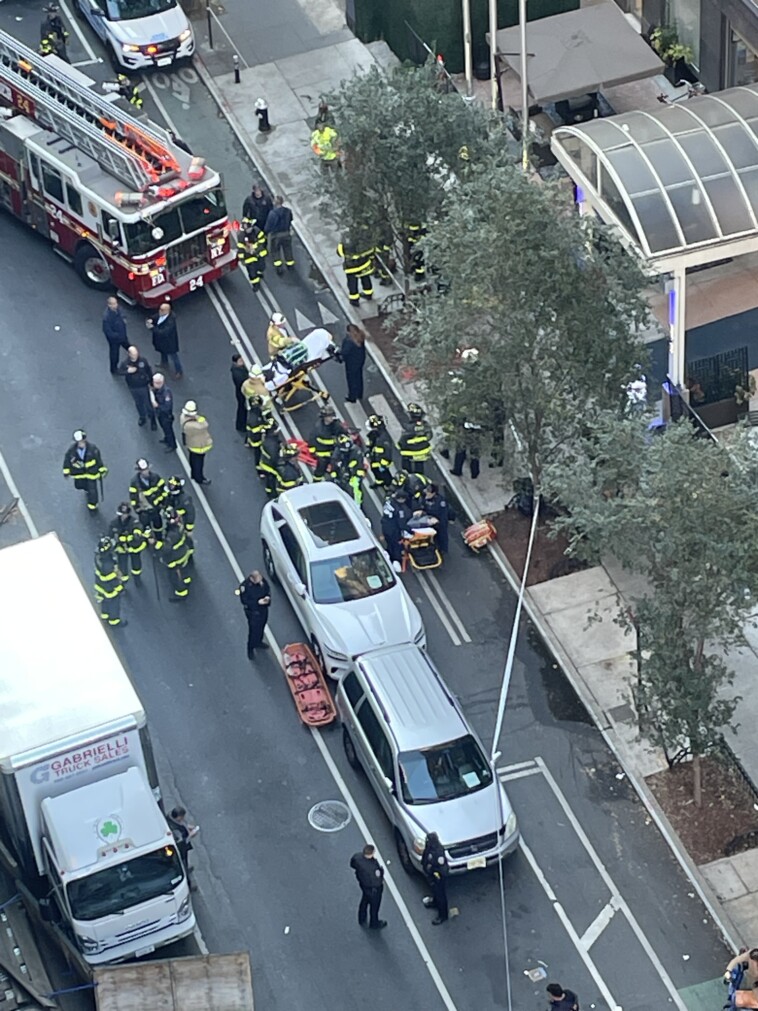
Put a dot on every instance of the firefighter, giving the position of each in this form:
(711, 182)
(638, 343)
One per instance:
(347, 467)
(84, 463)
(271, 447)
(380, 450)
(412, 484)
(47, 46)
(251, 250)
(52, 28)
(108, 585)
(129, 540)
(358, 263)
(256, 423)
(414, 233)
(278, 336)
(288, 474)
(181, 501)
(324, 442)
(174, 548)
(147, 493)
(384, 262)
(255, 385)
(415, 443)
(129, 90)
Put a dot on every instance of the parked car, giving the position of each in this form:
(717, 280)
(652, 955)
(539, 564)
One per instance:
(319, 546)
(140, 33)
(402, 726)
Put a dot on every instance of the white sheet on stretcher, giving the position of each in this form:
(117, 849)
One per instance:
(318, 344)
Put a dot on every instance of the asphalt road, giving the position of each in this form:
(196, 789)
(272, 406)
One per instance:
(593, 895)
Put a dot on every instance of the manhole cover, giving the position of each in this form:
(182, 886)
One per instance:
(329, 815)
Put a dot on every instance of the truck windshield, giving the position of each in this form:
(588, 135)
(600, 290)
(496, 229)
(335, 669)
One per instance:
(195, 213)
(128, 10)
(116, 888)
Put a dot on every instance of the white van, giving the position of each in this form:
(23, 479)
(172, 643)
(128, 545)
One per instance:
(402, 726)
(140, 33)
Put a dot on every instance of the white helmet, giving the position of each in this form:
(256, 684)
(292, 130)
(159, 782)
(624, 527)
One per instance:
(142, 464)
(190, 407)
(255, 371)
(277, 319)
(79, 435)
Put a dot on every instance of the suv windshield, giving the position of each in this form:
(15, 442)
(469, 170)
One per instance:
(195, 213)
(128, 10)
(350, 577)
(443, 773)
(116, 888)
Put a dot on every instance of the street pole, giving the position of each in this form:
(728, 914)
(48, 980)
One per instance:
(468, 63)
(524, 89)
(493, 52)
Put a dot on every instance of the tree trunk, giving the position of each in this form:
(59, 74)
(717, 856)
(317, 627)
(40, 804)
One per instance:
(697, 781)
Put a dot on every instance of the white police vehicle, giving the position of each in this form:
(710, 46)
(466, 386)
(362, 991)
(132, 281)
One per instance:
(140, 33)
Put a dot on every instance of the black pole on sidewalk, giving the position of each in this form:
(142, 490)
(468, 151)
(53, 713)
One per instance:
(210, 22)
(236, 64)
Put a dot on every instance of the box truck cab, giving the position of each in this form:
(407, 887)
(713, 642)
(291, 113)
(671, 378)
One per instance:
(78, 788)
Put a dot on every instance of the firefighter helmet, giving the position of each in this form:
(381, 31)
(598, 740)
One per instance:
(104, 545)
(175, 485)
(277, 319)
(289, 450)
(256, 400)
(79, 435)
(415, 411)
(344, 442)
(375, 422)
(142, 464)
(400, 479)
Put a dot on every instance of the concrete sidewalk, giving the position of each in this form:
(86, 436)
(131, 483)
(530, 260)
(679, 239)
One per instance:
(597, 656)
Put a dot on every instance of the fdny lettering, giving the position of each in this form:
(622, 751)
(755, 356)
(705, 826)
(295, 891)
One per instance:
(77, 761)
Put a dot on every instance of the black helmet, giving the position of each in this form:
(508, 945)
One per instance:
(256, 400)
(328, 411)
(104, 544)
(375, 422)
(415, 411)
(124, 508)
(175, 485)
(344, 442)
(270, 424)
(289, 450)
(400, 478)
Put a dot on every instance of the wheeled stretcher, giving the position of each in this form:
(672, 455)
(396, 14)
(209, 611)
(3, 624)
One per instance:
(289, 373)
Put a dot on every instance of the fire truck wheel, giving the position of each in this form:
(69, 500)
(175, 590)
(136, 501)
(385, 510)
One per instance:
(92, 268)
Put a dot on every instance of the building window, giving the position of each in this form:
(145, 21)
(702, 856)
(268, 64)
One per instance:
(741, 63)
(74, 200)
(52, 183)
(685, 16)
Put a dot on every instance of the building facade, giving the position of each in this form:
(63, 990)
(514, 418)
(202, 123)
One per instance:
(722, 34)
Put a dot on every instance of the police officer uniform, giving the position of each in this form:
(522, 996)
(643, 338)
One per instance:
(370, 876)
(395, 515)
(108, 585)
(84, 463)
(435, 867)
(328, 429)
(255, 598)
(433, 504)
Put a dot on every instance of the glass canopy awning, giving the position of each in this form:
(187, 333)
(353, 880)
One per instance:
(681, 181)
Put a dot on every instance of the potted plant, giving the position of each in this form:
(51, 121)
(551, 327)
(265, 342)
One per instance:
(665, 41)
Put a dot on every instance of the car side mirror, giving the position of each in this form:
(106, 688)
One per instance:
(298, 586)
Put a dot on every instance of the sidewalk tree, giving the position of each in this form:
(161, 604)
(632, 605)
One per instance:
(550, 301)
(680, 511)
(402, 137)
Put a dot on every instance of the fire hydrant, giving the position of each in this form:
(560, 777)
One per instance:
(261, 111)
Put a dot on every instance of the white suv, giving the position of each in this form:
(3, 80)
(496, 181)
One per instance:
(318, 545)
(141, 33)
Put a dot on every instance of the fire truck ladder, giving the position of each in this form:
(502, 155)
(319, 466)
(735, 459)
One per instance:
(133, 152)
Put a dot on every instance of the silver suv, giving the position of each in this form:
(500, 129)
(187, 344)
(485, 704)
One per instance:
(405, 730)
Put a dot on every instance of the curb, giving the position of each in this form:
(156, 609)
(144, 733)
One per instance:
(334, 281)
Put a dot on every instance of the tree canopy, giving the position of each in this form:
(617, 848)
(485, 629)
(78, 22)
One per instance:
(550, 301)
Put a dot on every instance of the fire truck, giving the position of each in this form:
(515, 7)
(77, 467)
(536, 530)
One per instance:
(114, 194)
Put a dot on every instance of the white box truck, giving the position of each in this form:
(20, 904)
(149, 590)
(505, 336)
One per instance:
(78, 788)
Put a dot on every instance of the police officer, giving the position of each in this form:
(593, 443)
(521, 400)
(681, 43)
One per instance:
(370, 876)
(379, 449)
(257, 416)
(415, 443)
(347, 467)
(255, 596)
(435, 867)
(84, 463)
(324, 441)
(288, 474)
(162, 400)
(434, 504)
(130, 541)
(251, 250)
(108, 585)
(147, 493)
(183, 502)
(271, 447)
(358, 264)
(174, 549)
(395, 516)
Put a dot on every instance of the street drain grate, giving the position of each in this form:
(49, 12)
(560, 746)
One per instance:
(329, 815)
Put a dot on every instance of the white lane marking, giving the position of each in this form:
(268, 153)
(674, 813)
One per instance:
(568, 927)
(439, 612)
(506, 777)
(423, 951)
(15, 493)
(159, 105)
(302, 322)
(600, 922)
(528, 764)
(85, 63)
(446, 602)
(74, 22)
(609, 883)
(200, 941)
(327, 317)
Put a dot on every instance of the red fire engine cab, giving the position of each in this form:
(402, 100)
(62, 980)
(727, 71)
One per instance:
(113, 193)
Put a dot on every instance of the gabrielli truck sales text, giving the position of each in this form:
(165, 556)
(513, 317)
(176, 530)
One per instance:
(78, 761)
